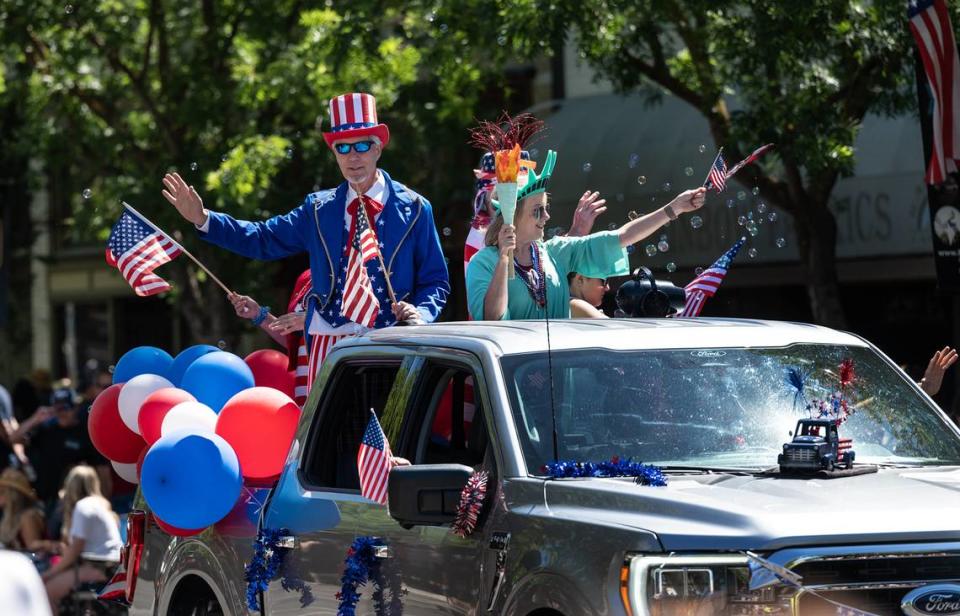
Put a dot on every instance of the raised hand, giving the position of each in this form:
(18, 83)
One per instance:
(185, 198)
(690, 200)
(938, 365)
(588, 209)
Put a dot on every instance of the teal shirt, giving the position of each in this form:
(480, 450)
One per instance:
(598, 255)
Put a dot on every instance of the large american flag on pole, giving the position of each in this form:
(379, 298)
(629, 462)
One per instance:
(373, 462)
(931, 27)
(136, 248)
(360, 304)
(706, 284)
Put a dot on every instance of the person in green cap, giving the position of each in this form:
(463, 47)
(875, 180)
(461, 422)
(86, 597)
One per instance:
(540, 288)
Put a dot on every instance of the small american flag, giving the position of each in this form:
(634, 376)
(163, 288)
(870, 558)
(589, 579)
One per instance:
(136, 248)
(706, 284)
(931, 27)
(373, 462)
(116, 588)
(717, 178)
(360, 304)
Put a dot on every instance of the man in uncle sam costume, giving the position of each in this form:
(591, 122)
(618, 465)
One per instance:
(352, 283)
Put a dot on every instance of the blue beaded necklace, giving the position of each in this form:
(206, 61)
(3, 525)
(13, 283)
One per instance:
(533, 276)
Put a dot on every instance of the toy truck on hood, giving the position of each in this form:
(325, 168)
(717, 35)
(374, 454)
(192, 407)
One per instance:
(816, 446)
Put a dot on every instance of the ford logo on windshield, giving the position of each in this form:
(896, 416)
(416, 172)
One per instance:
(943, 599)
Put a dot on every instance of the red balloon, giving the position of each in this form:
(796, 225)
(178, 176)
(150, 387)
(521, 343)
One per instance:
(173, 530)
(259, 423)
(269, 369)
(154, 409)
(109, 434)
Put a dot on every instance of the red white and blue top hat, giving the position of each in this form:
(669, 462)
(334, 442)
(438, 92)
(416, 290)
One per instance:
(355, 115)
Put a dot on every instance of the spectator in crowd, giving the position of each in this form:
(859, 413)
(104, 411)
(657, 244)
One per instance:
(936, 367)
(100, 380)
(586, 295)
(8, 425)
(21, 590)
(21, 524)
(91, 532)
(57, 440)
(31, 393)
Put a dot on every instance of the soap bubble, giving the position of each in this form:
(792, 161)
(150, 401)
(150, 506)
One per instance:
(730, 204)
(663, 236)
(630, 249)
(741, 195)
(752, 253)
(447, 231)
(221, 344)
(642, 180)
(671, 267)
(702, 148)
(633, 161)
(289, 153)
(698, 271)
(741, 220)
(781, 242)
(752, 229)
(612, 226)
(587, 167)
(194, 166)
(688, 171)
(223, 158)
(772, 217)
(696, 222)
(761, 207)
(650, 249)
(632, 215)
(663, 245)
(534, 152)
(667, 186)
(501, 40)
(87, 193)
(749, 215)
(431, 16)
(756, 191)
(68, 9)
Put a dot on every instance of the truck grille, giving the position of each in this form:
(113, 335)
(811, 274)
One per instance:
(801, 455)
(873, 583)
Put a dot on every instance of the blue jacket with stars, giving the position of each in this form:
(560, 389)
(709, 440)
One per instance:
(408, 241)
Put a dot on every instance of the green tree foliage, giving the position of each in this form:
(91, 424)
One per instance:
(233, 95)
(800, 74)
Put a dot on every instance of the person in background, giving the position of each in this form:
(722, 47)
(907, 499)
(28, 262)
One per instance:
(586, 295)
(91, 545)
(31, 393)
(936, 367)
(286, 330)
(56, 439)
(21, 524)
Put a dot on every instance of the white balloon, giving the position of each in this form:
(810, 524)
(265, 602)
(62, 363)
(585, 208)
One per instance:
(127, 472)
(134, 392)
(191, 416)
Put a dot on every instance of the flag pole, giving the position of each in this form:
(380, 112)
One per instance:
(712, 165)
(178, 245)
(383, 266)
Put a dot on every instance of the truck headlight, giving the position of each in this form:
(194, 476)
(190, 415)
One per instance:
(697, 585)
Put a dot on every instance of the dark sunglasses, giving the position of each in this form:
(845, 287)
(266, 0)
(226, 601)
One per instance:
(361, 147)
(541, 211)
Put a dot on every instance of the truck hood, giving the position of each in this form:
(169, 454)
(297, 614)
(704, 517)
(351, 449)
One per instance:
(727, 512)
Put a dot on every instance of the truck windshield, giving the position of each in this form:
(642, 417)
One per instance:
(717, 408)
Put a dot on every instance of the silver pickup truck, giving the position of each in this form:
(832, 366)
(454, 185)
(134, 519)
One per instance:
(707, 400)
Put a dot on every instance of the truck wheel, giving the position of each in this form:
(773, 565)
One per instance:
(194, 598)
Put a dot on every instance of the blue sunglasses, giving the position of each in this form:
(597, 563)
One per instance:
(361, 147)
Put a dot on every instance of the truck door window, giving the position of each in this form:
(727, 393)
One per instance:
(338, 426)
(453, 430)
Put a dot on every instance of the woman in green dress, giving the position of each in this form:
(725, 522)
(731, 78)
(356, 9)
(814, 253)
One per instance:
(540, 288)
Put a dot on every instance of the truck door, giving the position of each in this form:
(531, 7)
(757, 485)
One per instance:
(446, 423)
(318, 496)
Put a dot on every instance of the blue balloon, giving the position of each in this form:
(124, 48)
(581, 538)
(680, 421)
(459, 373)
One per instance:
(186, 357)
(214, 378)
(142, 360)
(191, 480)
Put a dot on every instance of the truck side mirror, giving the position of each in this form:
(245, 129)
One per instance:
(426, 494)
